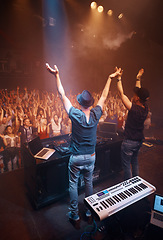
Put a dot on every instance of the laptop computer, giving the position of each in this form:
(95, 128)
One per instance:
(38, 150)
(157, 211)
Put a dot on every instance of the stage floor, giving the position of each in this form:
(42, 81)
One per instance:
(18, 220)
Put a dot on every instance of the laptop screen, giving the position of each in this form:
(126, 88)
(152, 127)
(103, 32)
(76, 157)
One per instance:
(35, 145)
(158, 203)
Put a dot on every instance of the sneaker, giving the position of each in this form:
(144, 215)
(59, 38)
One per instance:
(73, 217)
(88, 213)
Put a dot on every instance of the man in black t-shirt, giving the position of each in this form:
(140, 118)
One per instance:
(133, 133)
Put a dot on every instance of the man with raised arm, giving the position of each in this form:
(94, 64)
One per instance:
(83, 141)
(133, 133)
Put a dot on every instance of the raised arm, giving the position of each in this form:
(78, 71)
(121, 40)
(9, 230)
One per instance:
(105, 91)
(1, 114)
(66, 102)
(138, 78)
(124, 98)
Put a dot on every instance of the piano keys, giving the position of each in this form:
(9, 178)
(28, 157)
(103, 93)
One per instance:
(113, 199)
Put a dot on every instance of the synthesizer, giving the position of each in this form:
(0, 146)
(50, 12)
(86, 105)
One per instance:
(113, 199)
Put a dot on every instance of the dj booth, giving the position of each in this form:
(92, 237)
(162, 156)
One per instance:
(47, 180)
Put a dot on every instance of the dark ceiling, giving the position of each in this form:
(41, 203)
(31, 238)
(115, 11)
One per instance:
(145, 16)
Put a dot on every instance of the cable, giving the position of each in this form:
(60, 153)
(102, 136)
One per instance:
(89, 233)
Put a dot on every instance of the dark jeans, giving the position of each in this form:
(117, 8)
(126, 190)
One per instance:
(129, 157)
(9, 154)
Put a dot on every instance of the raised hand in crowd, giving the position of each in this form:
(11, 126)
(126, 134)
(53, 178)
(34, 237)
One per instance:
(138, 77)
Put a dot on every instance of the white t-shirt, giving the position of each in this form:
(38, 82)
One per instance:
(56, 128)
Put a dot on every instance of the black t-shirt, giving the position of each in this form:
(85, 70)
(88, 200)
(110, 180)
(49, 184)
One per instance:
(135, 122)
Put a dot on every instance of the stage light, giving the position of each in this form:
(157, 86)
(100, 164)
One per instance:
(120, 16)
(110, 12)
(93, 5)
(100, 9)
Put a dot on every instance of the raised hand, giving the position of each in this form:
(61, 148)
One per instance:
(140, 73)
(118, 72)
(54, 71)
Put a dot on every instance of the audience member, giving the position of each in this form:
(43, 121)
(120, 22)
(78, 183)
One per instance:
(1, 153)
(43, 129)
(27, 131)
(56, 124)
(4, 122)
(11, 152)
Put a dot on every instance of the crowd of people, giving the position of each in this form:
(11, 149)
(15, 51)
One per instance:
(24, 113)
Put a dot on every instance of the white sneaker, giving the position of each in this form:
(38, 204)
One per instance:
(88, 213)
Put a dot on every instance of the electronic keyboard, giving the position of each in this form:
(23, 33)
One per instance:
(113, 199)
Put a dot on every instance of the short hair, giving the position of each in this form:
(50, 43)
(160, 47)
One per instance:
(25, 119)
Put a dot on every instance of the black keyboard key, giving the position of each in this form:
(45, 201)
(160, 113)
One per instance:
(158, 217)
(108, 201)
(42, 153)
(125, 196)
(132, 190)
(143, 186)
(138, 188)
(116, 198)
(103, 204)
(119, 195)
(112, 200)
(128, 193)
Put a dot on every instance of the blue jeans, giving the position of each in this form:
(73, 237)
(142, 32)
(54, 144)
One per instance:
(78, 163)
(129, 157)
